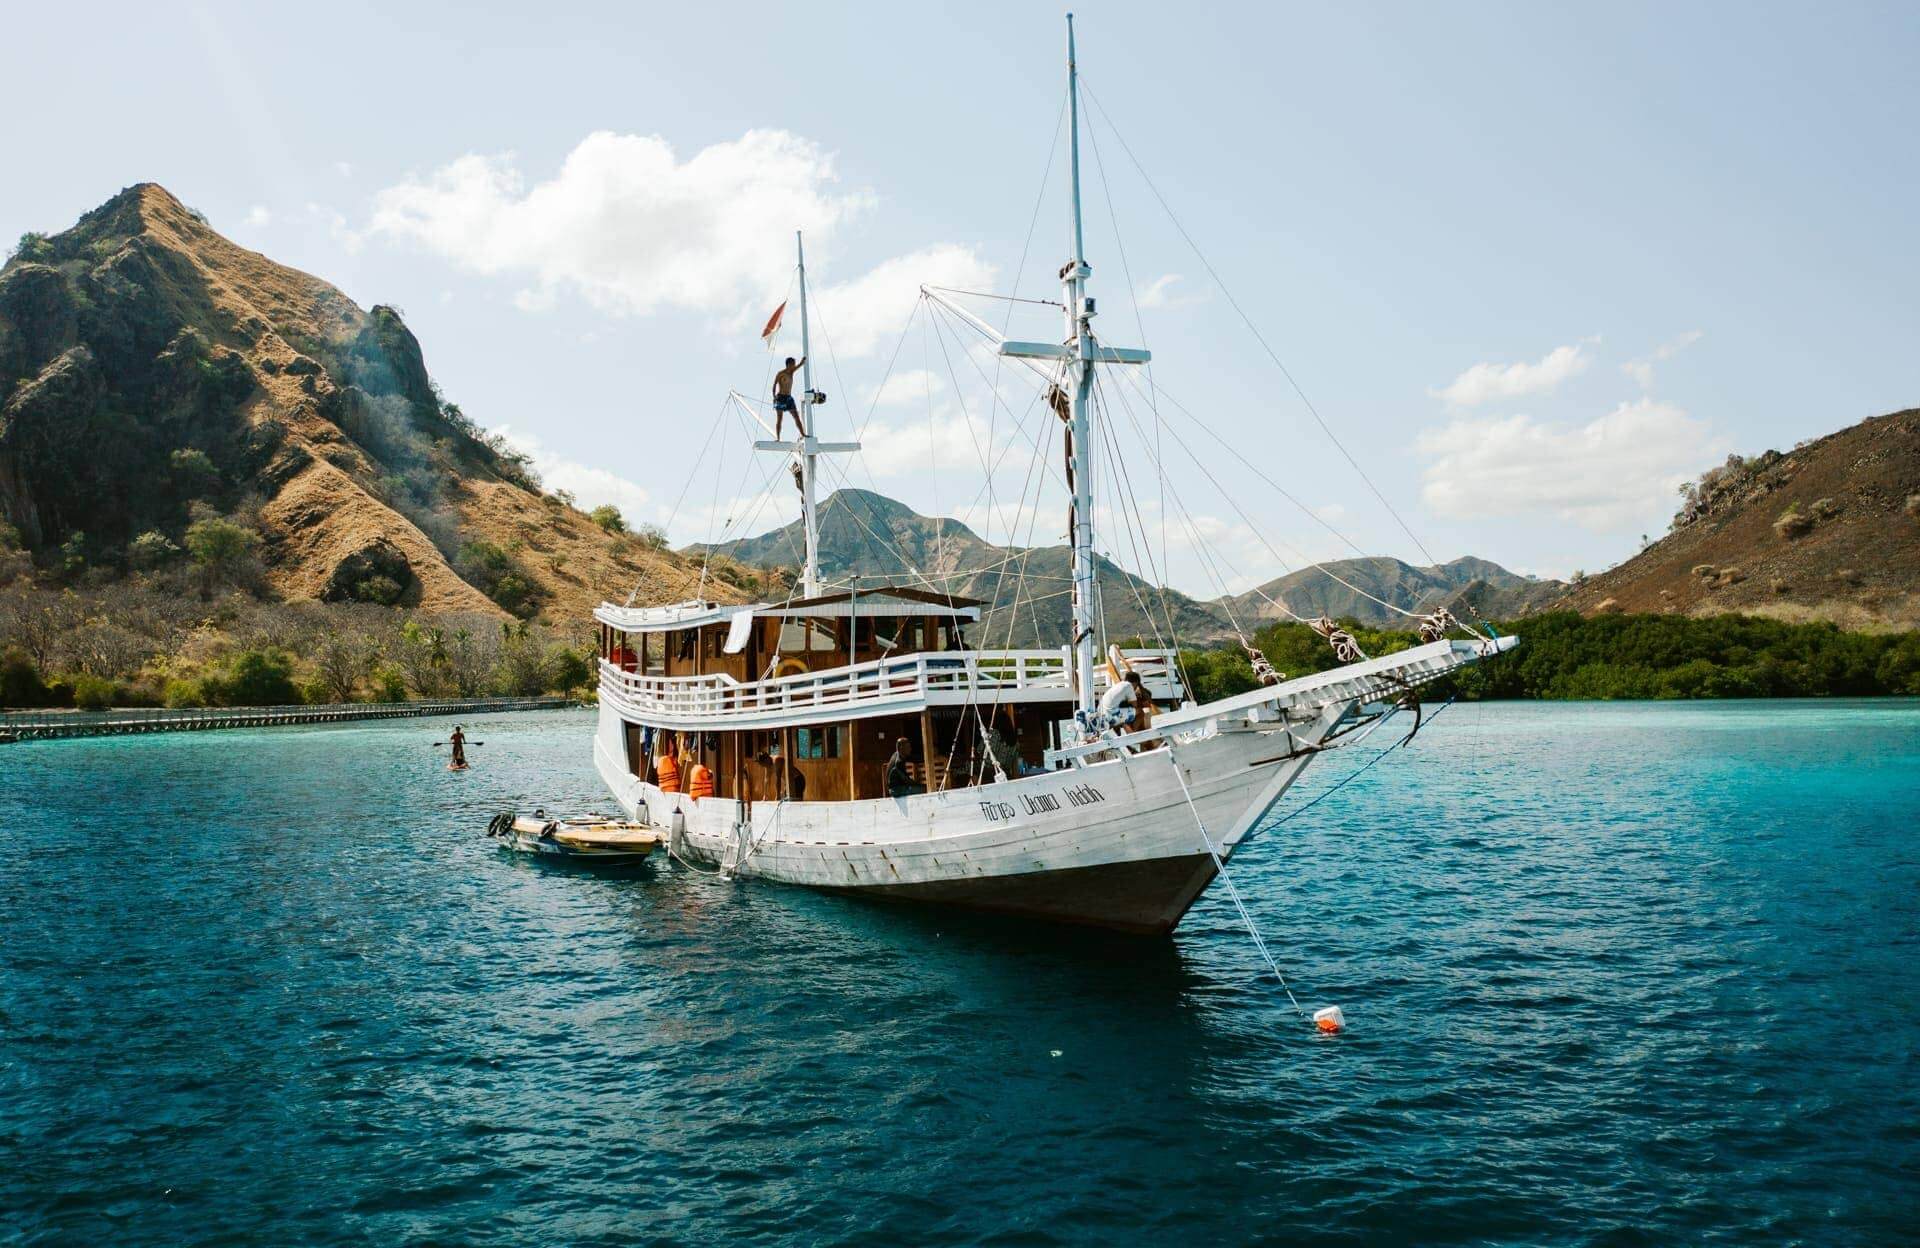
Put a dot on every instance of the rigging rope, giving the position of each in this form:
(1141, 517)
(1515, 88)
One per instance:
(1220, 865)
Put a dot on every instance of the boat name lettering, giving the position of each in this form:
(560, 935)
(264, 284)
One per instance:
(1042, 803)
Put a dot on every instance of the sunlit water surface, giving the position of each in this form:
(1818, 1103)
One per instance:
(1614, 973)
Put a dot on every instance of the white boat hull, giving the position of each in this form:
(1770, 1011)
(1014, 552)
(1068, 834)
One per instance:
(1113, 843)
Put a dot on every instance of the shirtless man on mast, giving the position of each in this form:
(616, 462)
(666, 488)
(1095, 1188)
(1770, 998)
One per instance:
(783, 398)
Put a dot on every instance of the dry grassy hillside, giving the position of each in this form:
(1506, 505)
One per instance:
(144, 331)
(1827, 531)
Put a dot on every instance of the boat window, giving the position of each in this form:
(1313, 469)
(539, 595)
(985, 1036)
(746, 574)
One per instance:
(793, 636)
(823, 635)
(817, 742)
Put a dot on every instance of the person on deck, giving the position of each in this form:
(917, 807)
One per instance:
(899, 777)
(783, 404)
(1118, 705)
(459, 743)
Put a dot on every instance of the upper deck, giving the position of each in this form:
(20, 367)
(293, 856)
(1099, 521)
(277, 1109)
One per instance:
(889, 686)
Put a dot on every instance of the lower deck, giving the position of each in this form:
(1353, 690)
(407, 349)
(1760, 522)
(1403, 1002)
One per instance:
(945, 748)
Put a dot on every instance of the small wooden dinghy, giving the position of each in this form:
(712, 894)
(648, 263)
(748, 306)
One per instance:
(593, 838)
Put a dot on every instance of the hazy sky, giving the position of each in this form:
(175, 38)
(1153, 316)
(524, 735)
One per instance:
(1533, 266)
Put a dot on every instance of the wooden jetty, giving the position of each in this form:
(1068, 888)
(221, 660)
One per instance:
(38, 725)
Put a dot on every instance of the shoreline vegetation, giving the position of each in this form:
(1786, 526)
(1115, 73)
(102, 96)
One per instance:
(1565, 656)
(204, 633)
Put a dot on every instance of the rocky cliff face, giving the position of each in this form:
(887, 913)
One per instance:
(1827, 531)
(147, 364)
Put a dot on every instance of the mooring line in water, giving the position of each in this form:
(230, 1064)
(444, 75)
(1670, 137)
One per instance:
(1220, 865)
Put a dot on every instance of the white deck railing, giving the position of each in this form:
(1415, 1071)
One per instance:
(879, 686)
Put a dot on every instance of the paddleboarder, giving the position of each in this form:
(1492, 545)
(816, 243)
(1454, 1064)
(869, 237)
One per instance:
(459, 743)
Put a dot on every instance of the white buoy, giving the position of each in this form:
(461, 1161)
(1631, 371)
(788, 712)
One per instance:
(1330, 1020)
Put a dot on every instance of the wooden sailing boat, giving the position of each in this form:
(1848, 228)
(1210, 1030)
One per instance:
(792, 710)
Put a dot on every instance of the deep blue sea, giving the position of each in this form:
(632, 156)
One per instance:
(1614, 974)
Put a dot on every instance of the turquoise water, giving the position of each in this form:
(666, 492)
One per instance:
(1614, 974)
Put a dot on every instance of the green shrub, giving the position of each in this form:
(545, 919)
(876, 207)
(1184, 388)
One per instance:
(218, 544)
(499, 576)
(183, 691)
(381, 590)
(93, 693)
(33, 246)
(73, 554)
(389, 684)
(254, 678)
(193, 472)
(567, 668)
(21, 683)
(150, 550)
(608, 517)
(516, 594)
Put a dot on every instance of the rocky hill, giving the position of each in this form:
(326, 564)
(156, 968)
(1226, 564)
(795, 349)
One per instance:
(1827, 531)
(868, 534)
(151, 371)
(1491, 590)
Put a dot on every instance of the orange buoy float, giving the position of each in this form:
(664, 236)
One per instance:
(1330, 1020)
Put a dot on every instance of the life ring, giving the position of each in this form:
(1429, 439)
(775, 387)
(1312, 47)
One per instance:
(790, 667)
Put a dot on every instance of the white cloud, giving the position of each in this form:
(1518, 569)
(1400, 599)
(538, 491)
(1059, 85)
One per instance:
(902, 386)
(1641, 370)
(342, 168)
(632, 228)
(1160, 293)
(335, 223)
(1613, 475)
(947, 441)
(1487, 383)
(628, 225)
(589, 485)
(258, 216)
(861, 314)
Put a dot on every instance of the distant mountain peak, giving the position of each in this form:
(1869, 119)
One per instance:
(866, 533)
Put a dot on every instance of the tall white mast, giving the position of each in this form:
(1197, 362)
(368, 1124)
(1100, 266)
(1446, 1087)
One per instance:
(1080, 369)
(810, 575)
(1076, 358)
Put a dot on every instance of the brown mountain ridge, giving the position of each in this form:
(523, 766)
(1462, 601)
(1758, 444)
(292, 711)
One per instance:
(151, 369)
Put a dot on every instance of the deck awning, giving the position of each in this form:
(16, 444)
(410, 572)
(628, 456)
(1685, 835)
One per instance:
(890, 601)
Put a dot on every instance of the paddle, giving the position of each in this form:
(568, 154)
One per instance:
(441, 743)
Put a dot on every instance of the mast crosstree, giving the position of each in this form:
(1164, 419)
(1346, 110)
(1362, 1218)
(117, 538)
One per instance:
(807, 448)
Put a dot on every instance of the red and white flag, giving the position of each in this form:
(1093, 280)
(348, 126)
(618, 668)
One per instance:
(773, 324)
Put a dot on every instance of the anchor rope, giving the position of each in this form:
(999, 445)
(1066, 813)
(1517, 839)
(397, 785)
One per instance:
(1220, 865)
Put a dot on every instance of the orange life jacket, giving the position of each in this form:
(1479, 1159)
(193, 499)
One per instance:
(669, 774)
(699, 782)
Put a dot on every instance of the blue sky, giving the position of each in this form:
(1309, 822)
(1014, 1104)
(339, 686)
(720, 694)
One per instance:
(1533, 265)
